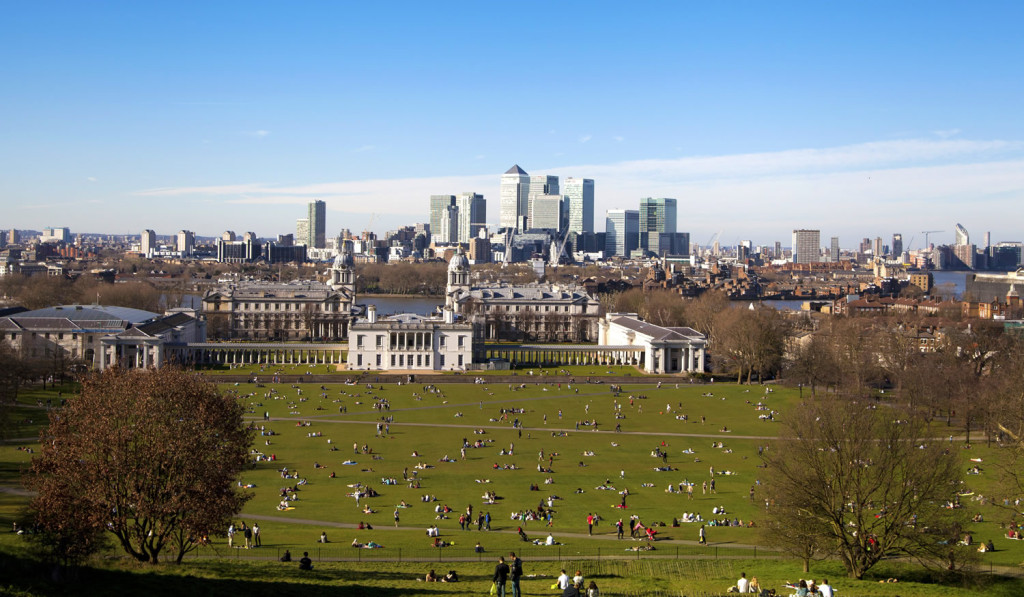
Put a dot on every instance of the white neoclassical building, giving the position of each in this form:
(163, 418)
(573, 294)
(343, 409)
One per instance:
(409, 343)
(665, 350)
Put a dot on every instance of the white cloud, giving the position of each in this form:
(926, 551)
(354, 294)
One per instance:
(90, 179)
(364, 148)
(946, 134)
(618, 138)
(259, 134)
(586, 138)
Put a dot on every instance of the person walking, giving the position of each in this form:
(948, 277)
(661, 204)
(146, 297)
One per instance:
(396, 517)
(256, 540)
(515, 573)
(618, 529)
(590, 523)
(689, 491)
(701, 538)
(501, 572)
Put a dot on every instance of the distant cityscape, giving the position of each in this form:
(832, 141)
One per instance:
(540, 218)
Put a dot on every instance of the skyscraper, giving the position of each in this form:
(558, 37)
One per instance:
(962, 237)
(515, 189)
(438, 211)
(541, 184)
(834, 256)
(806, 246)
(317, 224)
(579, 193)
(147, 243)
(876, 248)
(657, 217)
(472, 215)
(897, 245)
(622, 232)
(302, 232)
(186, 243)
(547, 212)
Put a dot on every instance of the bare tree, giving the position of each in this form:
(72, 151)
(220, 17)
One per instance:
(866, 481)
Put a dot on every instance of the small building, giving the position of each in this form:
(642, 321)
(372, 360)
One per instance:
(100, 336)
(665, 350)
(410, 343)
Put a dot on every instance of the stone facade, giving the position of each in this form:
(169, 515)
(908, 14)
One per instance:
(410, 343)
(665, 350)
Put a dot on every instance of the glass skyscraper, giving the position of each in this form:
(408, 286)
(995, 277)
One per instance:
(579, 193)
(658, 216)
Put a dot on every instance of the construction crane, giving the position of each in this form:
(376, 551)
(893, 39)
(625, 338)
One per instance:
(928, 232)
(910, 245)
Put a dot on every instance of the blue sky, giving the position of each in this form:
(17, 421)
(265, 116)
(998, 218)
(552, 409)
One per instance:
(860, 119)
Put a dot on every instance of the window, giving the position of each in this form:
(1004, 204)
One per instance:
(442, 342)
(380, 341)
(378, 360)
(359, 360)
(419, 360)
(462, 341)
(359, 341)
(392, 360)
(460, 360)
(60, 336)
(426, 361)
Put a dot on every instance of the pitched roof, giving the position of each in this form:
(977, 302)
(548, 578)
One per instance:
(515, 170)
(656, 332)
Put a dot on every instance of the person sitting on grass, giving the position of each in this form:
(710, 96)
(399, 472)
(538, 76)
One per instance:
(431, 577)
(305, 563)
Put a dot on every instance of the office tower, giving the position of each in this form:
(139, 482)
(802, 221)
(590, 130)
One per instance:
(448, 228)
(579, 193)
(778, 250)
(317, 217)
(876, 247)
(439, 205)
(540, 184)
(515, 189)
(806, 246)
(622, 232)
(472, 215)
(962, 237)
(302, 231)
(835, 249)
(988, 239)
(13, 237)
(657, 216)
(865, 245)
(547, 212)
(897, 245)
(186, 243)
(228, 236)
(147, 243)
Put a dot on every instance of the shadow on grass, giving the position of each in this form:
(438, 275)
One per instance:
(25, 576)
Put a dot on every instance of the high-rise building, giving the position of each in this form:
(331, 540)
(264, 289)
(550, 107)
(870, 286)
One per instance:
(876, 248)
(448, 232)
(439, 205)
(834, 255)
(962, 237)
(579, 193)
(897, 245)
(472, 215)
(547, 213)
(228, 236)
(302, 231)
(622, 232)
(317, 224)
(13, 237)
(540, 185)
(515, 201)
(657, 216)
(186, 243)
(147, 243)
(806, 246)
(778, 250)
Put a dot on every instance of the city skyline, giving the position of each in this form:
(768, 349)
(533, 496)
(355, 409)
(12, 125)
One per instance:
(865, 122)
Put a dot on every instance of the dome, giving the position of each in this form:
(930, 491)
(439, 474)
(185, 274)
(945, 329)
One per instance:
(458, 263)
(344, 257)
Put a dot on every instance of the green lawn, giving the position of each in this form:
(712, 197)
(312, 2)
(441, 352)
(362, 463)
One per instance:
(311, 429)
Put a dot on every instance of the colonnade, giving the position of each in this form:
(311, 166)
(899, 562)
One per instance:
(546, 355)
(210, 353)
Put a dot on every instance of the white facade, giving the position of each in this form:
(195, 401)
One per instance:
(666, 350)
(409, 343)
(546, 212)
(148, 243)
(806, 246)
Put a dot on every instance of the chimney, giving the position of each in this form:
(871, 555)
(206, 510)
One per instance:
(449, 315)
(371, 313)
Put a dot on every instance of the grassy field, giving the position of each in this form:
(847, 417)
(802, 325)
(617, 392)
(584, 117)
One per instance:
(323, 430)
